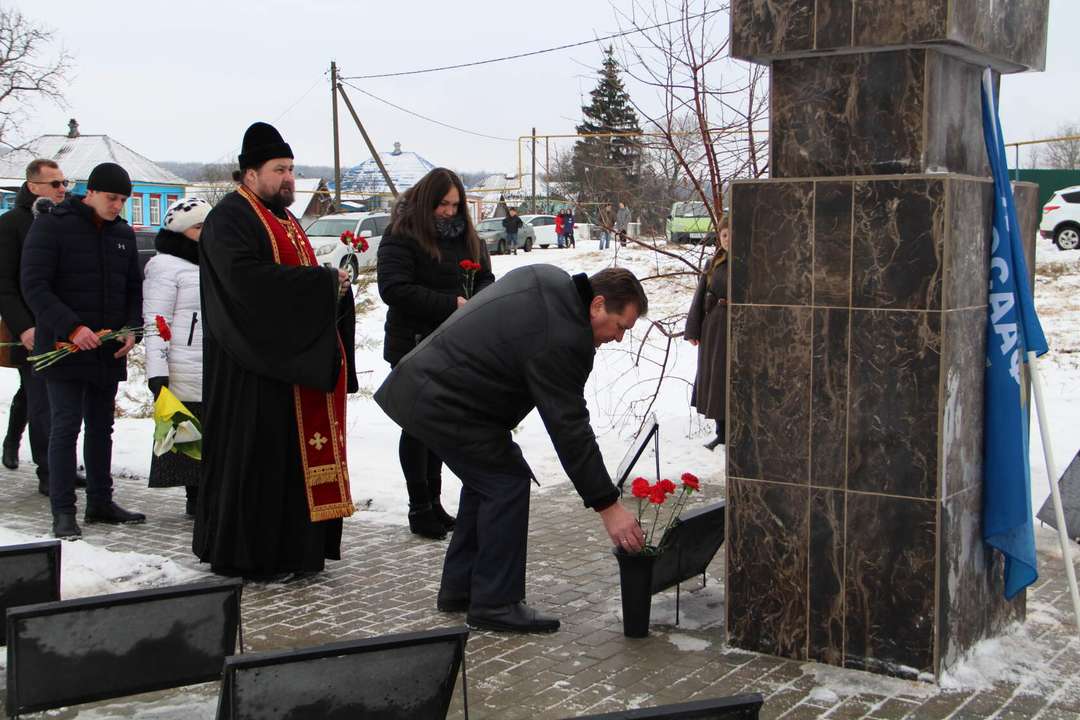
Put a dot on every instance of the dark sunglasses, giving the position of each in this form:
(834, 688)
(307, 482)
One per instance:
(51, 183)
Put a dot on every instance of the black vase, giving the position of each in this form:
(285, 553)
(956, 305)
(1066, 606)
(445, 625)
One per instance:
(636, 581)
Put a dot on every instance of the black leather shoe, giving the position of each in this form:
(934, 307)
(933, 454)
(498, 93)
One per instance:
(452, 604)
(11, 455)
(65, 527)
(426, 523)
(712, 444)
(516, 617)
(111, 513)
(448, 521)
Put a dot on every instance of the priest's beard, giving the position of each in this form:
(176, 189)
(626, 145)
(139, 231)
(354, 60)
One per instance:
(277, 198)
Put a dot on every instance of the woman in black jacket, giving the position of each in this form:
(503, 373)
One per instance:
(422, 281)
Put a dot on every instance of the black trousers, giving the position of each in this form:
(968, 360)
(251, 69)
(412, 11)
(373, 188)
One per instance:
(486, 558)
(73, 402)
(31, 404)
(423, 472)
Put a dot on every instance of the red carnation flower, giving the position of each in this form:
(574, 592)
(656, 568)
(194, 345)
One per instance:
(667, 486)
(347, 237)
(466, 264)
(640, 488)
(163, 328)
(657, 496)
(690, 480)
(362, 244)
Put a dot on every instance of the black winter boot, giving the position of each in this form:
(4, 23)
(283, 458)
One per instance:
(65, 527)
(111, 513)
(425, 523)
(448, 521)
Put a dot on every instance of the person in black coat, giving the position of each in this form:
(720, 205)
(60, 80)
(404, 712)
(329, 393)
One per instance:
(526, 342)
(80, 275)
(512, 224)
(706, 328)
(422, 282)
(45, 182)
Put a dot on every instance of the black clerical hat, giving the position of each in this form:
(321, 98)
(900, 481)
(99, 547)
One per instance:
(262, 142)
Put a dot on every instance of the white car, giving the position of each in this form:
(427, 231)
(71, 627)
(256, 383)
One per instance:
(1061, 218)
(543, 228)
(325, 236)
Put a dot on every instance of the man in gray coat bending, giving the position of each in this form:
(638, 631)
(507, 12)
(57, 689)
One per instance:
(527, 341)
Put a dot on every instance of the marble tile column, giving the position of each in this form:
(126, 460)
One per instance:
(858, 329)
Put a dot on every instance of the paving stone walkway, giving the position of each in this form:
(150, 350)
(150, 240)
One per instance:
(387, 582)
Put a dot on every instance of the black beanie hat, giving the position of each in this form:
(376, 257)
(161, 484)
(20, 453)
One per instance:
(110, 178)
(262, 142)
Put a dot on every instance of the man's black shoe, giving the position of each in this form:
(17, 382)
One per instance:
(515, 617)
(712, 444)
(11, 455)
(43, 487)
(451, 604)
(65, 527)
(111, 513)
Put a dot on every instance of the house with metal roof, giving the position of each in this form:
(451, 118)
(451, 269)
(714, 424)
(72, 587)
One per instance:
(153, 187)
(365, 181)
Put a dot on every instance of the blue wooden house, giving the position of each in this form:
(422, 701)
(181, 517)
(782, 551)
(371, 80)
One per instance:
(153, 187)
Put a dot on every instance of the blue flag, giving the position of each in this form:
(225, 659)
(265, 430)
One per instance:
(1012, 331)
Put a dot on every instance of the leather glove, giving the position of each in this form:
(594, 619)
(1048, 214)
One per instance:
(156, 383)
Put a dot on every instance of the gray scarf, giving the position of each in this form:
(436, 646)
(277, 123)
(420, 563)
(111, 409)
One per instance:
(450, 229)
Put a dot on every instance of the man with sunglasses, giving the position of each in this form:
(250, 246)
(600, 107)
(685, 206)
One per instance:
(44, 179)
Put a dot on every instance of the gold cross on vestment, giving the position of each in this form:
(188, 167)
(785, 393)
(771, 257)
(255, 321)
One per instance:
(318, 441)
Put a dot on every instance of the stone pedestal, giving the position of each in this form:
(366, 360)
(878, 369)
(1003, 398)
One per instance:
(858, 330)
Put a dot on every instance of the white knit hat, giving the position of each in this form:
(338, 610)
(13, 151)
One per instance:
(186, 213)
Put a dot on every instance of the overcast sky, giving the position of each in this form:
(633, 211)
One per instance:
(183, 82)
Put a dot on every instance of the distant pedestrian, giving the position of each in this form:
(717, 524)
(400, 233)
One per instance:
(622, 223)
(568, 228)
(423, 283)
(559, 237)
(80, 275)
(44, 182)
(706, 328)
(607, 223)
(512, 224)
(171, 290)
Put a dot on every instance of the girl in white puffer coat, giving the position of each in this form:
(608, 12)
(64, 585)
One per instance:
(171, 290)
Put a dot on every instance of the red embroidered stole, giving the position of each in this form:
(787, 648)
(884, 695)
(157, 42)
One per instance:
(320, 417)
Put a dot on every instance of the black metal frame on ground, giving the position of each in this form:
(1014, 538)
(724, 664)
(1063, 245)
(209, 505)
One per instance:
(737, 707)
(680, 561)
(74, 688)
(23, 585)
(227, 703)
(651, 430)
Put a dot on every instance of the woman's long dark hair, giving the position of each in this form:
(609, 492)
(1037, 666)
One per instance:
(414, 213)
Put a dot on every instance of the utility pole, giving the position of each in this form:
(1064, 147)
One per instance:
(534, 171)
(337, 145)
(371, 147)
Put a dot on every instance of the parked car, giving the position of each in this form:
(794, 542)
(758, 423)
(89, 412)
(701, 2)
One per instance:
(543, 229)
(325, 236)
(492, 232)
(690, 222)
(1061, 218)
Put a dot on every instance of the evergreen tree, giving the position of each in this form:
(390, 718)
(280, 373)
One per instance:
(607, 169)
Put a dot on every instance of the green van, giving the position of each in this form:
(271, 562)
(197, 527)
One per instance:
(689, 222)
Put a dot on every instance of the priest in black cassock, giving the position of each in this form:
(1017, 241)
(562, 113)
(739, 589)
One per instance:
(277, 361)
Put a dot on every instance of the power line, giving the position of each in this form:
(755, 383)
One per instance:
(532, 53)
(425, 117)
